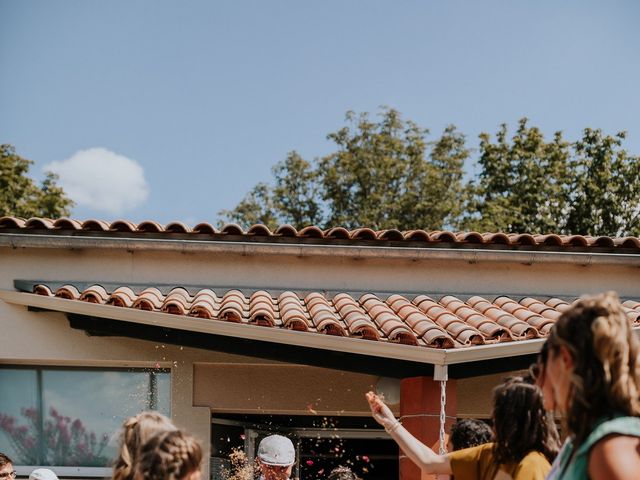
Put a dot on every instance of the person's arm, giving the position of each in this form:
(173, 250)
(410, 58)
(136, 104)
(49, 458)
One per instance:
(428, 460)
(616, 457)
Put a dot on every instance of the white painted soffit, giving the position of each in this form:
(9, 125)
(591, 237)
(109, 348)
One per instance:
(277, 335)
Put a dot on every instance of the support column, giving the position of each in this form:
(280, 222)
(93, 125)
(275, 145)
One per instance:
(420, 414)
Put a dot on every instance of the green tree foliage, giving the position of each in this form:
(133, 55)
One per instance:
(526, 184)
(383, 174)
(521, 186)
(20, 196)
(387, 175)
(604, 187)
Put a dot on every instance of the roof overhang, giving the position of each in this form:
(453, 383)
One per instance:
(388, 350)
(385, 358)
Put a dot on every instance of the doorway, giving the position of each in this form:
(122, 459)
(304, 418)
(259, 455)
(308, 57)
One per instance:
(322, 443)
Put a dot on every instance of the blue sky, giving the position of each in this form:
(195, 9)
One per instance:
(173, 110)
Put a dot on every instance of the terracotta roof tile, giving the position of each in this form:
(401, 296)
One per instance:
(287, 233)
(447, 322)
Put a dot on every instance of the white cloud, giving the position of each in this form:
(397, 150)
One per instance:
(102, 180)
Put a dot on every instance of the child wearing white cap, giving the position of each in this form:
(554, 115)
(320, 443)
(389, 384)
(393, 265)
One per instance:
(276, 456)
(43, 474)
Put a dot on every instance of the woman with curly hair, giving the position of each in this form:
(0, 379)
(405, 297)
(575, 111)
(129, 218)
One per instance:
(136, 431)
(171, 455)
(593, 366)
(525, 438)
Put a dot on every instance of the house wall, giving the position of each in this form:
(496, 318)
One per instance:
(203, 381)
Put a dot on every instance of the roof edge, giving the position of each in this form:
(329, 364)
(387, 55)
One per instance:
(470, 255)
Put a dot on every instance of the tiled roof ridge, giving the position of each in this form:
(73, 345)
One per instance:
(448, 322)
(231, 231)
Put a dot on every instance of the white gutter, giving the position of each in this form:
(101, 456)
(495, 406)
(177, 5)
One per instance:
(470, 255)
(277, 335)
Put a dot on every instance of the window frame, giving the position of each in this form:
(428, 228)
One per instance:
(80, 471)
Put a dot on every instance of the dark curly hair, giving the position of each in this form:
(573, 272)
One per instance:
(342, 473)
(469, 432)
(520, 422)
(5, 460)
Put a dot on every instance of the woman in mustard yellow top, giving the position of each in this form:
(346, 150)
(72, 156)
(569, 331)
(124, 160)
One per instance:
(525, 435)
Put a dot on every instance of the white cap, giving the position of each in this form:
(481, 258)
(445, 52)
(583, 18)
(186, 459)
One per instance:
(43, 474)
(276, 450)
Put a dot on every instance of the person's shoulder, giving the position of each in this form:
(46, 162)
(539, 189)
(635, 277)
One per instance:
(476, 452)
(611, 428)
(615, 456)
(535, 456)
(535, 460)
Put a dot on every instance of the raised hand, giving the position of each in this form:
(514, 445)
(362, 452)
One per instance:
(381, 413)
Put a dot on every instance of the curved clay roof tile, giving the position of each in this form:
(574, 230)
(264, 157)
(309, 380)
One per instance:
(262, 316)
(286, 231)
(606, 242)
(311, 232)
(122, 297)
(177, 227)
(576, 240)
(337, 232)
(363, 234)
(549, 239)
(470, 237)
(149, 226)
(205, 228)
(496, 238)
(438, 339)
(521, 239)
(392, 234)
(259, 230)
(444, 236)
(627, 242)
(70, 292)
(36, 223)
(95, 294)
(12, 222)
(330, 326)
(67, 224)
(417, 236)
(42, 290)
(95, 225)
(232, 229)
(122, 226)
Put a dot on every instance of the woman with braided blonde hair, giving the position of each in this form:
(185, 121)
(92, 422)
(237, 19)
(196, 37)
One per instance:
(136, 431)
(169, 456)
(593, 367)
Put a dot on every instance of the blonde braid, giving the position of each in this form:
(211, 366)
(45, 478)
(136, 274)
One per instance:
(606, 373)
(169, 456)
(137, 430)
(617, 349)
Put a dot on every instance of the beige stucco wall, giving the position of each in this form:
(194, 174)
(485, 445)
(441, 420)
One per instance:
(250, 385)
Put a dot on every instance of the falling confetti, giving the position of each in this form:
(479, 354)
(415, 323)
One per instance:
(309, 463)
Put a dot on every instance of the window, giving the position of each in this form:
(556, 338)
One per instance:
(71, 417)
